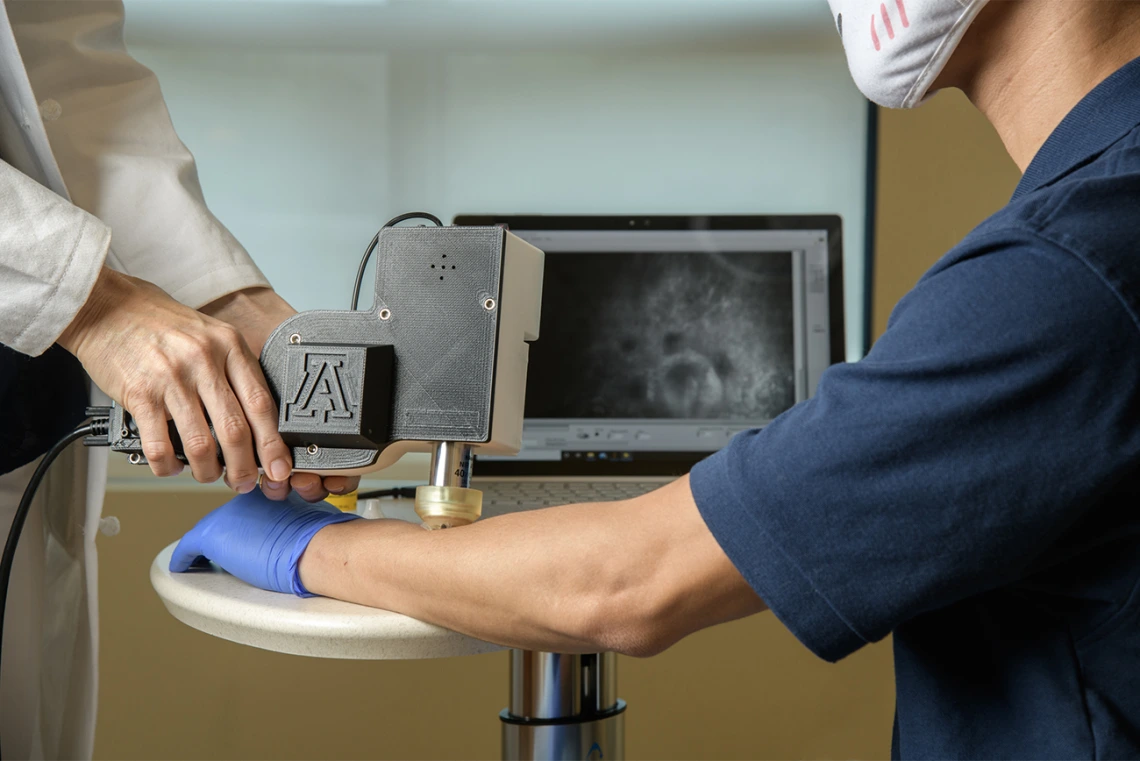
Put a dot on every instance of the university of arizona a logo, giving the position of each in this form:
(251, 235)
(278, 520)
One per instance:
(321, 396)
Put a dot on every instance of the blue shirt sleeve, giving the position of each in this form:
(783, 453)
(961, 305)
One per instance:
(1000, 402)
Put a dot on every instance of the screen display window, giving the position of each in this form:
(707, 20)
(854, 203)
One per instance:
(665, 336)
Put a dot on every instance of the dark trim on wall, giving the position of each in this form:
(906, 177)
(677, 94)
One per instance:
(872, 196)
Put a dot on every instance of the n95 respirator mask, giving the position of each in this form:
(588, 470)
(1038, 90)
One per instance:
(897, 48)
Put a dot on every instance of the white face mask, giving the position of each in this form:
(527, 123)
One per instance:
(897, 48)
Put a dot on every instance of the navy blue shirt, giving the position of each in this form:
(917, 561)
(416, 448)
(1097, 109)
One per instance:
(973, 485)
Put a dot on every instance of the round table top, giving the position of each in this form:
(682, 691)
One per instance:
(216, 603)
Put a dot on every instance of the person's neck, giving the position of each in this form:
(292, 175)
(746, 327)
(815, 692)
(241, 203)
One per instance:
(1036, 59)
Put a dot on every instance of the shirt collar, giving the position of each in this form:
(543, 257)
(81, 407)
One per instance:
(1102, 117)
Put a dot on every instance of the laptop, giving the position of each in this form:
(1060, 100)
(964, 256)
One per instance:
(662, 337)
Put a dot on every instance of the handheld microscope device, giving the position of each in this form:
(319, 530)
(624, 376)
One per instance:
(437, 364)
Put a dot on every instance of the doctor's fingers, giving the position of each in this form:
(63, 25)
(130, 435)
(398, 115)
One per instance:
(252, 391)
(150, 416)
(341, 484)
(275, 490)
(232, 432)
(198, 443)
(309, 486)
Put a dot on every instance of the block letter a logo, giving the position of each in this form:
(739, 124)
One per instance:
(321, 396)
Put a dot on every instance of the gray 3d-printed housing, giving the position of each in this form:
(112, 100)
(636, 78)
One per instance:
(435, 294)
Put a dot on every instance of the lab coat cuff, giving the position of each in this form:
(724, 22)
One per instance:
(218, 283)
(88, 252)
(765, 565)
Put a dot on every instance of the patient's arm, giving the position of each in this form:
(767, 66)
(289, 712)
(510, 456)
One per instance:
(632, 577)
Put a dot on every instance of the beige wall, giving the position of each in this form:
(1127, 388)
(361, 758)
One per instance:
(942, 170)
(745, 690)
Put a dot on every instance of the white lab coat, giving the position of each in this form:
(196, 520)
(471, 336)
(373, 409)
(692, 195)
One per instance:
(92, 172)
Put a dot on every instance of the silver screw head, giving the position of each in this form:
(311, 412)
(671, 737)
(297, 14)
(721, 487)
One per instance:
(135, 458)
(313, 449)
(489, 305)
(385, 314)
(295, 338)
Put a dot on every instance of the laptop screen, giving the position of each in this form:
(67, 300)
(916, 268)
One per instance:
(657, 346)
(664, 335)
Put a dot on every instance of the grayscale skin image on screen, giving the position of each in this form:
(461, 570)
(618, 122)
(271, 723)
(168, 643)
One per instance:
(664, 336)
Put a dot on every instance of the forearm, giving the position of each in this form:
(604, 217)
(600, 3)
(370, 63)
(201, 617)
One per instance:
(630, 577)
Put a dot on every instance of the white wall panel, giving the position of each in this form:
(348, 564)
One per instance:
(304, 151)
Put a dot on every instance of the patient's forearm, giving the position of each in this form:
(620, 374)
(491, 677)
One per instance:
(632, 576)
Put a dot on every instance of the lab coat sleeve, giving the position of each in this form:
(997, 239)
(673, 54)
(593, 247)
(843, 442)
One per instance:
(120, 157)
(50, 254)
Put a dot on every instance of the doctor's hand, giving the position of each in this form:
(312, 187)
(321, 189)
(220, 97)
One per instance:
(256, 313)
(162, 360)
(258, 540)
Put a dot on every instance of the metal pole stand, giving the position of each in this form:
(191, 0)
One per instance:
(563, 708)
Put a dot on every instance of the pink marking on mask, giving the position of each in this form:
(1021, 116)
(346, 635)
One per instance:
(902, 13)
(887, 20)
(875, 35)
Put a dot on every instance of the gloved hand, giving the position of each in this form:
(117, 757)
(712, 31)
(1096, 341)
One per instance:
(258, 540)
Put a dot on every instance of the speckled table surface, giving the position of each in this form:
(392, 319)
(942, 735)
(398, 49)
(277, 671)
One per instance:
(214, 602)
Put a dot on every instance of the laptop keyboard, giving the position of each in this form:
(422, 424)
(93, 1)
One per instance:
(532, 494)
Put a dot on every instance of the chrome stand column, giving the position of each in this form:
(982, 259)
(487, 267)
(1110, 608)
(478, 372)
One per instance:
(563, 708)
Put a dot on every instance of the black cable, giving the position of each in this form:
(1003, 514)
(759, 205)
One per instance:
(403, 492)
(23, 509)
(376, 239)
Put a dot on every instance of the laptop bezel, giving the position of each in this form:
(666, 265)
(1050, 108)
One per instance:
(651, 464)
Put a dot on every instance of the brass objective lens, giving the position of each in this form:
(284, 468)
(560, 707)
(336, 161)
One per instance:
(449, 501)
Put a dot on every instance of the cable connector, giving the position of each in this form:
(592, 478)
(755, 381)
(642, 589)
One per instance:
(100, 427)
(113, 427)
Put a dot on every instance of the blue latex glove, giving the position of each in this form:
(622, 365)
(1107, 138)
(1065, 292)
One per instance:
(258, 540)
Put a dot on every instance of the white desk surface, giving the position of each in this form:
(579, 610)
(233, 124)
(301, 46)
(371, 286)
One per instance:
(216, 603)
